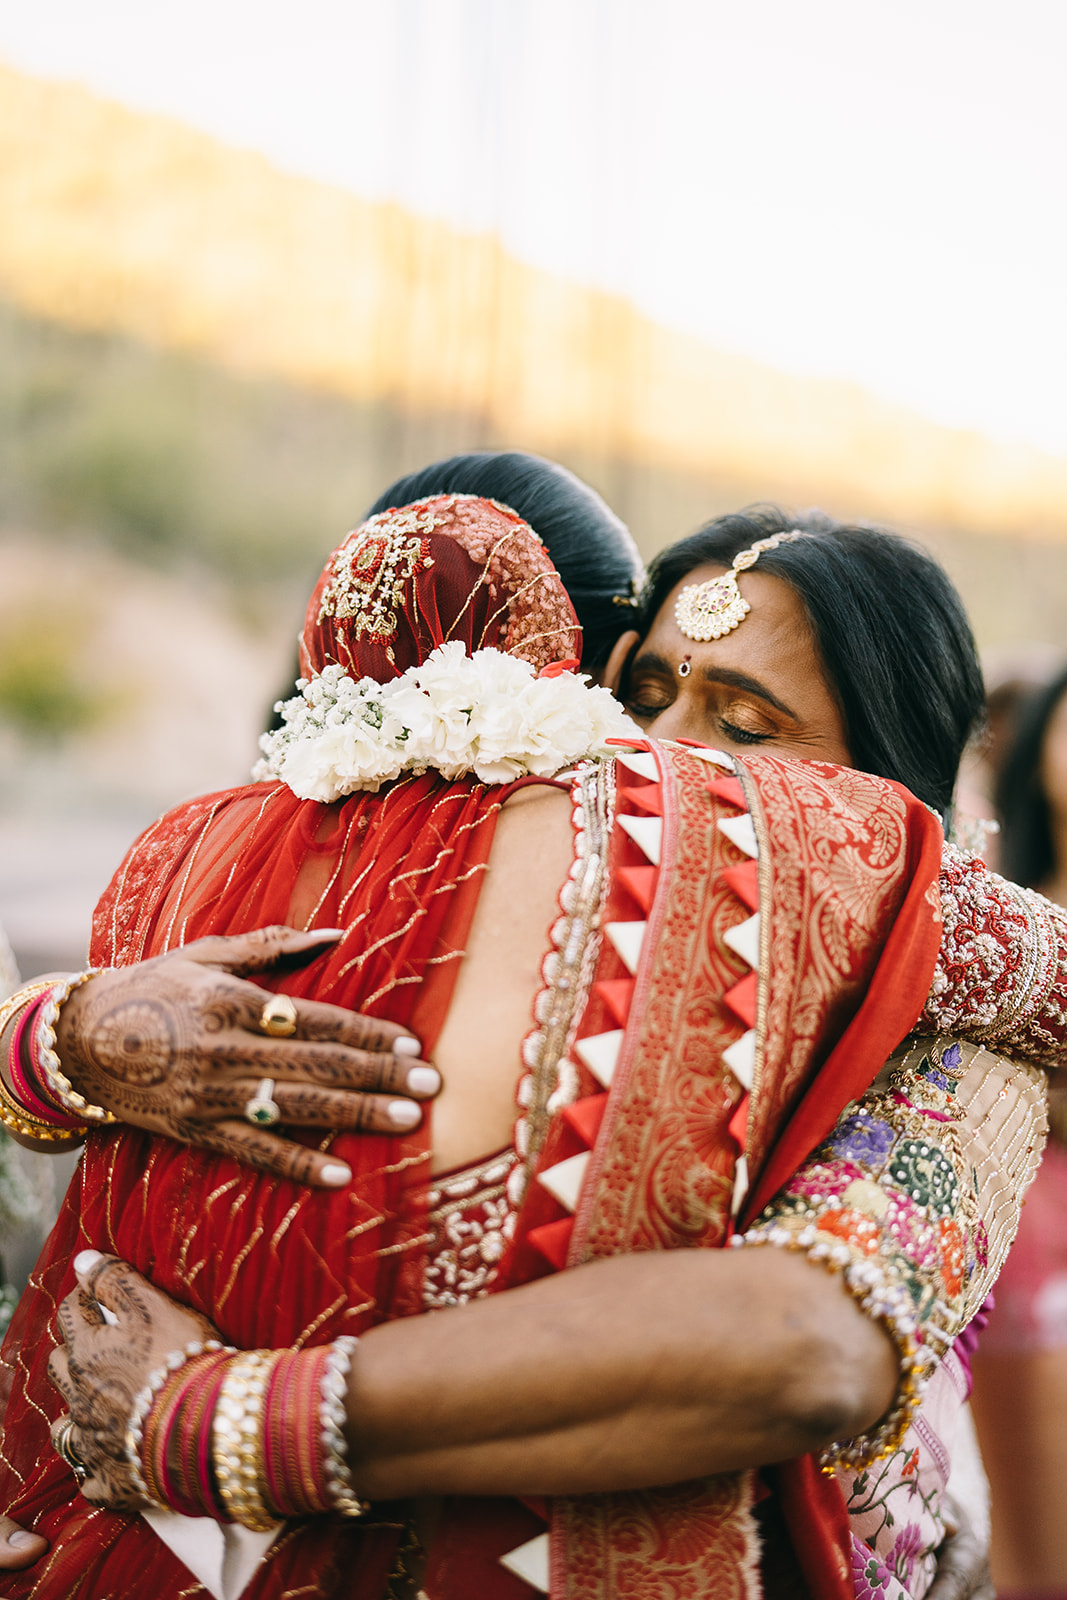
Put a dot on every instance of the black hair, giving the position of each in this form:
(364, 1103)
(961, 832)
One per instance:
(1027, 852)
(888, 624)
(594, 554)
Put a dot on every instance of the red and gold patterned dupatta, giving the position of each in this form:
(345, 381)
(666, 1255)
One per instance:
(780, 962)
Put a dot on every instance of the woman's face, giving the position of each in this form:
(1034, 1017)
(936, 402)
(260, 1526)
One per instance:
(762, 686)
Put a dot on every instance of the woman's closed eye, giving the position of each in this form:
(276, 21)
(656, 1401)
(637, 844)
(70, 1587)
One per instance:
(742, 735)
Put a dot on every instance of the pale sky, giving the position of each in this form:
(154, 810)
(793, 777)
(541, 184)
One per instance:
(867, 189)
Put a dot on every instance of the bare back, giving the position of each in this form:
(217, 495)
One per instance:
(478, 1052)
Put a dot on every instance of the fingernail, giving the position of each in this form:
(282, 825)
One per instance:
(424, 1080)
(406, 1046)
(403, 1113)
(85, 1260)
(336, 1174)
(329, 933)
(20, 1540)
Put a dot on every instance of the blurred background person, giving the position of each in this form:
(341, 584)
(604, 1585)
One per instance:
(1020, 1371)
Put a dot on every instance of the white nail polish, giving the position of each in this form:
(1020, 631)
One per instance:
(406, 1046)
(85, 1260)
(403, 1114)
(424, 1080)
(336, 1174)
(328, 933)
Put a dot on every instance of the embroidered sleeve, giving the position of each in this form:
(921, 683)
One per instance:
(1001, 974)
(914, 1198)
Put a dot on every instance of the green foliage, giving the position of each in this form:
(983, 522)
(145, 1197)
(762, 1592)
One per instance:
(41, 692)
(176, 461)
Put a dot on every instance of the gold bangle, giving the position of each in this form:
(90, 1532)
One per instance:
(16, 1118)
(10, 1008)
(59, 1085)
(237, 1439)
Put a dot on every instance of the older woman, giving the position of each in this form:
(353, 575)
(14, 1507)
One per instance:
(457, 1460)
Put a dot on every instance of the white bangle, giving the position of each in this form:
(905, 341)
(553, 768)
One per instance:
(47, 1061)
(333, 1390)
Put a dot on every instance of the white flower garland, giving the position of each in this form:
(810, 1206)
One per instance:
(486, 713)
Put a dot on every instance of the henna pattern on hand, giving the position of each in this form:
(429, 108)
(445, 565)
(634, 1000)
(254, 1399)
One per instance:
(138, 1040)
(173, 1046)
(99, 1370)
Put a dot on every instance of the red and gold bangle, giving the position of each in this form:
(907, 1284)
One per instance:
(32, 1096)
(27, 1119)
(304, 1454)
(292, 1448)
(247, 1436)
(144, 1405)
(173, 1415)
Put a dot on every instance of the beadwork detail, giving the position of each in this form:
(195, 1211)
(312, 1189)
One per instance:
(1000, 973)
(472, 1223)
(917, 1228)
(372, 567)
(706, 611)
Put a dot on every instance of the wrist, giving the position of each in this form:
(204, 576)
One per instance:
(245, 1436)
(47, 1067)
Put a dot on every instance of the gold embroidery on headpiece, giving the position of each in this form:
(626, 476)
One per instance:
(706, 611)
(372, 567)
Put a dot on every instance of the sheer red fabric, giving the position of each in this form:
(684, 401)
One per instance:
(269, 1262)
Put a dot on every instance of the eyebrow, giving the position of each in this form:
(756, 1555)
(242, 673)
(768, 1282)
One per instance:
(711, 674)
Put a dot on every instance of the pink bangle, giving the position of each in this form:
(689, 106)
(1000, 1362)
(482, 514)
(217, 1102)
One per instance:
(41, 1110)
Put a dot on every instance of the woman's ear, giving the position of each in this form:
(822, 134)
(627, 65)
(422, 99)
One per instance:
(624, 647)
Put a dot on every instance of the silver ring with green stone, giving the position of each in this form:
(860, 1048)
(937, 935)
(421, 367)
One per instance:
(262, 1109)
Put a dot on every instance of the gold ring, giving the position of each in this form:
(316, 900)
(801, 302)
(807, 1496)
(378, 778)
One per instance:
(66, 1451)
(278, 1017)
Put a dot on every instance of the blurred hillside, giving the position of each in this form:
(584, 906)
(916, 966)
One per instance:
(208, 369)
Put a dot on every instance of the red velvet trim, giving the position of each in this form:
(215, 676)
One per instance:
(640, 883)
(617, 994)
(649, 798)
(742, 1000)
(738, 1124)
(730, 790)
(585, 1117)
(552, 1240)
(744, 881)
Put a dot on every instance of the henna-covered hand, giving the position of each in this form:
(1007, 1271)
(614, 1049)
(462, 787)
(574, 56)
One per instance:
(174, 1045)
(103, 1364)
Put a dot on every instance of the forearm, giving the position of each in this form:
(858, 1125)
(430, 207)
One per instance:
(621, 1374)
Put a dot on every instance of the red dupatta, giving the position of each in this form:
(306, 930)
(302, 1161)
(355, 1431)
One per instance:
(823, 985)
(271, 1263)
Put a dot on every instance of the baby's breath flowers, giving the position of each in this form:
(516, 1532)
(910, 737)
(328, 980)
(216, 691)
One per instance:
(488, 714)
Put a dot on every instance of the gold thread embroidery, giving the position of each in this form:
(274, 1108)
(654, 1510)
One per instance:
(372, 567)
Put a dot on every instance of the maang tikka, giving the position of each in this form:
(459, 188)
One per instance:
(706, 611)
